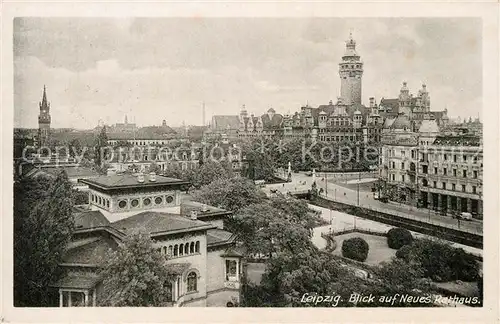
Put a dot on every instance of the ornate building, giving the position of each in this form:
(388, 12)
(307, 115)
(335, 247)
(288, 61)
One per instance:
(190, 235)
(268, 124)
(44, 121)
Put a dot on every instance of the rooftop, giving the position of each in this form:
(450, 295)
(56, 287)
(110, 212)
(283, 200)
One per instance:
(89, 252)
(203, 210)
(463, 140)
(89, 219)
(218, 236)
(84, 280)
(158, 223)
(129, 180)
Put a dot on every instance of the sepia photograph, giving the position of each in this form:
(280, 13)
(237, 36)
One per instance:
(250, 162)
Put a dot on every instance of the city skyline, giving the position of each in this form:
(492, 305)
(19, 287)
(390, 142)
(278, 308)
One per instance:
(100, 68)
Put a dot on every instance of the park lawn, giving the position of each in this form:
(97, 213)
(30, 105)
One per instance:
(379, 250)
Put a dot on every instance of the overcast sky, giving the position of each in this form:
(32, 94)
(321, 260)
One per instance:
(164, 68)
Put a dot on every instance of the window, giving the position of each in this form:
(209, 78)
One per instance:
(197, 247)
(122, 204)
(444, 185)
(465, 158)
(403, 178)
(170, 250)
(453, 187)
(435, 184)
(444, 171)
(463, 188)
(403, 153)
(146, 201)
(464, 173)
(186, 248)
(424, 169)
(445, 157)
(454, 158)
(454, 172)
(169, 199)
(134, 203)
(181, 249)
(191, 247)
(176, 250)
(474, 189)
(158, 200)
(100, 201)
(192, 282)
(107, 203)
(231, 270)
(402, 166)
(393, 177)
(435, 170)
(475, 159)
(475, 174)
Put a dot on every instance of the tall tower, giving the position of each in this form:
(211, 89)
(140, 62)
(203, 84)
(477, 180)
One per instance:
(44, 121)
(351, 72)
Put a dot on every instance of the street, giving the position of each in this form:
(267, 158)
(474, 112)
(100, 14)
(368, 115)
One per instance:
(301, 181)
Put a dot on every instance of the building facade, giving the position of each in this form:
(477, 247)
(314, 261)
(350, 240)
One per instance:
(190, 235)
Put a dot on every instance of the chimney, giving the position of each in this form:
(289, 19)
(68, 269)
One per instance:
(140, 177)
(152, 176)
(194, 215)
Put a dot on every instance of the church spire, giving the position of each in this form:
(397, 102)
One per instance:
(44, 105)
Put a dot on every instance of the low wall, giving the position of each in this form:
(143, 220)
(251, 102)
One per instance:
(449, 234)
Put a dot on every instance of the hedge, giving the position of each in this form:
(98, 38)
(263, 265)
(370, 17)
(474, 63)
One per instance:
(398, 237)
(355, 248)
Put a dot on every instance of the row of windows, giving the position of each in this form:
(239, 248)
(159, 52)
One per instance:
(352, 66)
(98, 200)
(448, 157)
(148, 142)
(337, 138)
(446, 187)
(181, 249)
(337, 130)
(403, 153)
(135, 202)
(425, 170)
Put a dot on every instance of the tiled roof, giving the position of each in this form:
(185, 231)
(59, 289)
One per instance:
(428, 126)
(76, 172)
(89, 219)
(220, 122)
(393, 104)
(84, 280)
(128, 180)
(91, 253)
(217, 236)
(401, 122)
(156, 223)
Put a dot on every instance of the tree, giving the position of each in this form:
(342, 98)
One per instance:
(100, 143)
(80, 197)
(43, 225)
(440, 261)
(154, 167)
(355, 248)
(229, 193)
(136, 274)
(398, 237)
(75, 147)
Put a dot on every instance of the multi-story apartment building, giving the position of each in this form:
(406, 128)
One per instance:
(427, 169)
(450, 174)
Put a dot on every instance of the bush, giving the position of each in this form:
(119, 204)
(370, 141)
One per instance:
(355, 248)
(398, 237)
(440, 261)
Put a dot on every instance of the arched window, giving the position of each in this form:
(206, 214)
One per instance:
(192, 282)
(191, 247)
(100, 201)
(107, 203)
(176, 250)
(197, 247)
(164, 250)
(170, 250)
(181, 249)
(186, 248)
